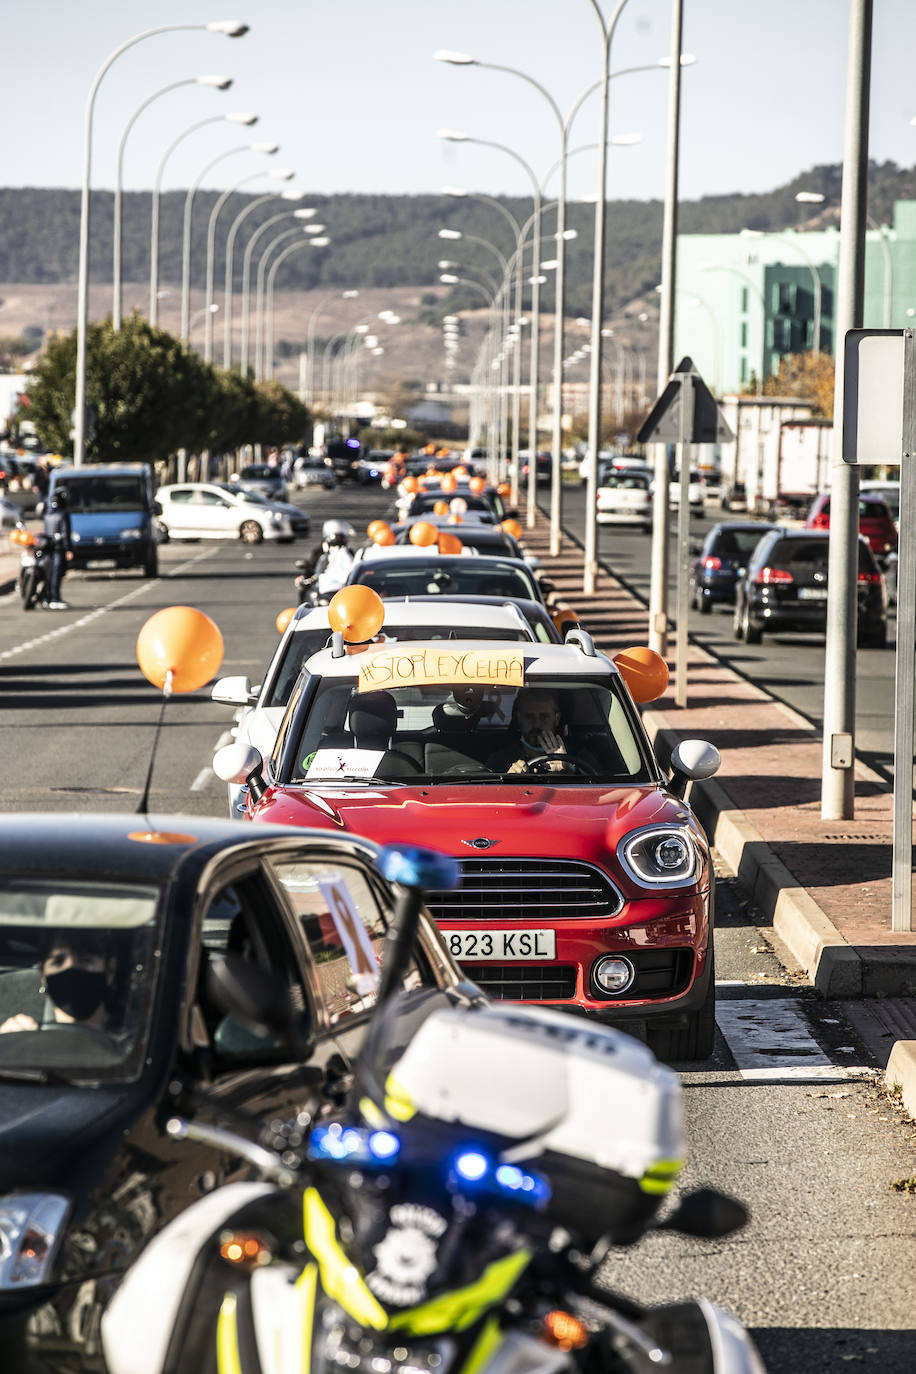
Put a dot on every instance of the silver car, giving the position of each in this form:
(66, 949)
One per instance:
(262, 478)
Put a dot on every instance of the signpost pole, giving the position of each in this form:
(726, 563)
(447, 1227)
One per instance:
(902, 868)
(684, 451)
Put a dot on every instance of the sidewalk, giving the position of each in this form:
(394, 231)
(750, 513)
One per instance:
(825, 885)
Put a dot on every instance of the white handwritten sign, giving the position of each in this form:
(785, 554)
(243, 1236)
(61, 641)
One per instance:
(404, 667)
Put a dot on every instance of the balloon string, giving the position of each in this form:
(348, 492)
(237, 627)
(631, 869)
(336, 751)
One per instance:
(144, 800)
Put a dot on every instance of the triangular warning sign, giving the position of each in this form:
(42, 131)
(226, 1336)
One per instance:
(663, 423)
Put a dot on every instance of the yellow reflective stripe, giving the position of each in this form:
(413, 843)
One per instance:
(227, 1337)
(306, 1283)
(660, 1177)
(340, 1278)
(371, 1113)
(460, 1309)
(398, 1102)
(489, 1340)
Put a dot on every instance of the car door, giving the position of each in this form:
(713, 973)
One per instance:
(179, 512)
(216, 515)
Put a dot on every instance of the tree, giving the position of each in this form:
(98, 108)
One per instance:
(807, 376)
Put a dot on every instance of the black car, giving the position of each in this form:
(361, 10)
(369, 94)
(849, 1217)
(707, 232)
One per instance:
(543, 467)
(785, 588)
(449, 575)
(722, 557)
(154, 966)
(474, 534)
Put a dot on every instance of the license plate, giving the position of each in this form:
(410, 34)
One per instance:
(502, 945)
(812, 593)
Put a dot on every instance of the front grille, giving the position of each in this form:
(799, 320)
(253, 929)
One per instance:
(524, 982)
(531, 890)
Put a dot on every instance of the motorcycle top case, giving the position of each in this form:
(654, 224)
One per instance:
(589, 1106)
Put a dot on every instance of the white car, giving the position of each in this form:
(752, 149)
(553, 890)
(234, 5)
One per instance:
(696, 491)
(262, 708)
(625, 498)
(207, 510)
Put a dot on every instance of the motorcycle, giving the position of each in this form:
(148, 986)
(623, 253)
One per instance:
(34, 564)
(450, 1218)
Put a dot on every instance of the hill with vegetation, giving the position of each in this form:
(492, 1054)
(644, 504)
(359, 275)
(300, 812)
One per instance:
(391, 241)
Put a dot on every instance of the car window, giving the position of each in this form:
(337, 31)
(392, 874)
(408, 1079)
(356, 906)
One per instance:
(113, 493)
(345, 928)
(736, 543)
(78, 971)
(873, 510)
(212, 498)
(799, 553)
(181, 496)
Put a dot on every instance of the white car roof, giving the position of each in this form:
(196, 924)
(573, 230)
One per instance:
(541, 660)
(374, 553)
(456, 615)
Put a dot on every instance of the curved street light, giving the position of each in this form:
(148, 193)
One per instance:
(316, 242)
(305, 213)
(230, 249)
(231, 28)
(219, 83)
(310, 338)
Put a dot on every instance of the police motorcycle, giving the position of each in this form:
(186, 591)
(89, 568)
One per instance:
(451, 1218)
(320, 576)
(34, 564)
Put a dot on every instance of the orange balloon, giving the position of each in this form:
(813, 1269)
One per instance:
(504, 489)
(440, 508)
(383, 538)
(284, 618)
(449, 482)
(460, 470)
(431, 472)
(564, 620)
(374, 526)
(449, 543)
(644, 671)
(357, 612)
(477, 484)
(410, 484)
(512, 527)
(179, 649)
(423, 534)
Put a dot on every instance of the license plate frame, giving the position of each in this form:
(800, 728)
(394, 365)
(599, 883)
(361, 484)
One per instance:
(812, 593)
(532, 945)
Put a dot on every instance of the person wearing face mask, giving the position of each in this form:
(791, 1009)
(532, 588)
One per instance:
(76, 975)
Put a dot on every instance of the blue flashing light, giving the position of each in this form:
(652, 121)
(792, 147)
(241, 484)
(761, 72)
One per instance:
(472, 1165)
(383, 1145)
(412, 866)
(529, 1186)
(508, 1176)
(352, 443)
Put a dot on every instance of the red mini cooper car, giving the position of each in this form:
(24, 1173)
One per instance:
(586, 879)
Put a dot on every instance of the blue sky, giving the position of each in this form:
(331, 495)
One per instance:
(349, 90)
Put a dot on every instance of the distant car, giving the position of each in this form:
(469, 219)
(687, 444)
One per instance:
(17, 483)
(734, 496)
(876, 523)
(262, 478)
(416, 503)
(314, 472)
(784, 588)
(889, 493)
(624, 497)
(543, 469)
(299, 519)
(10, 514)
(474, 534)
(723, 555)
(207, 510)
(696, 491)
(428, 618)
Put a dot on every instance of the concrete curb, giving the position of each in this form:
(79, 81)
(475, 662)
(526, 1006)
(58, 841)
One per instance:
(900, 1074)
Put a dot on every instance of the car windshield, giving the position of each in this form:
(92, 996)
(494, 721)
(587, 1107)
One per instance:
(78, 964)
(251, 498)
(625, 481)
(260, 472)
(736, 543)
(464, 731)
(98, 493)
(465, 577)
(492, 501)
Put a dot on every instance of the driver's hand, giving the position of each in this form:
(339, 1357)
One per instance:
(550, 742)
(20, 1022)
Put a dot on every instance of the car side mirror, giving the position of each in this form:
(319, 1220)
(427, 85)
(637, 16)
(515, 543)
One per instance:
(156, 508)
(241, 763)
(233, 691)
(691, 761)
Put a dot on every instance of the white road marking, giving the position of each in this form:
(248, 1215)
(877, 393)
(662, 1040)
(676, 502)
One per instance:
(206, 773)
(769, 1040)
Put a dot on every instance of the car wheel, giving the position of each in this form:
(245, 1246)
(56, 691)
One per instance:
(251, 532)
(162, 532)
(738, 623)
(697, 1039)
(702, 603)
(151, 566)
(752, 633)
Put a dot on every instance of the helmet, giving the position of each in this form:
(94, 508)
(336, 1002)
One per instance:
(337, 532)
(59, 498)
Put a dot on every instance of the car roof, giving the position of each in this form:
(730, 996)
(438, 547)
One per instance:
(540, 660)
(531, 610)
(59, 474)
(376, 553)
(430, 611)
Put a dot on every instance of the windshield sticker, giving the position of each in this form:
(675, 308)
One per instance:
(342, 763)
(354, 937)
(408, 667)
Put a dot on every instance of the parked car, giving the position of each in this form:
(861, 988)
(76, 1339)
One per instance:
(876, 524)
(10, 514)
(785, 588)
(208, 510)
(114, 517)
(18, 484)
(625, 498)
(154, 965)
(261, 478)
(586, 885)
(314, 472)
(721, 559)
(262, 708)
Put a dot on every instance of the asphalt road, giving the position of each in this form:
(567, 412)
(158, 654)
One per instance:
(788, 1113)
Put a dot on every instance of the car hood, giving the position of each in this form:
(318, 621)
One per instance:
(585, 822)
(95, 524)
(41, 1125)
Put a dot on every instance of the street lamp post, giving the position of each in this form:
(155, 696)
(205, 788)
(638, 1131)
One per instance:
(231, 28)
(265, 358)
(310, 338)
(238, 117)
(268, 148)
(304, 213)
(752, 286)
(219, 83)
(230, 249)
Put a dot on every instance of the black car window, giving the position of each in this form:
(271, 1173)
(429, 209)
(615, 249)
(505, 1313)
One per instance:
(468, 579)
(799, 553)
(345, 927)
(736, 543)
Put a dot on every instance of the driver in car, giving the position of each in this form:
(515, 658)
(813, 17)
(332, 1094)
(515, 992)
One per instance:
(76, 977)
(540, 747)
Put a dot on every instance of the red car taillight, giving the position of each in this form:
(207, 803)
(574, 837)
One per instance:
(821, 522)
(712, 564)
(768, 576)
(870, 577)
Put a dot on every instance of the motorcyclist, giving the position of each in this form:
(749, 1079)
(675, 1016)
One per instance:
(57, 529)
(326, 568)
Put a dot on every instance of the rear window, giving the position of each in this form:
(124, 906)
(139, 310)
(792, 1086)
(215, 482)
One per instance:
(802, 554)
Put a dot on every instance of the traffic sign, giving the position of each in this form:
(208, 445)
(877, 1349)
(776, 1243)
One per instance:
(879, 414)
(663, 423)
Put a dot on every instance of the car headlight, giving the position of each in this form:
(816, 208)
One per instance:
(662, 856)
(276, 517)
(31, 1226)
(132, 533)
